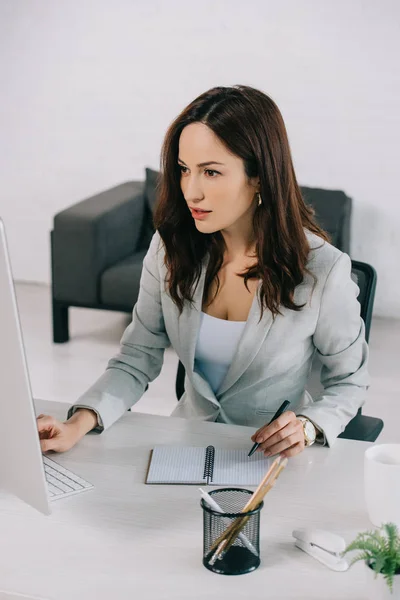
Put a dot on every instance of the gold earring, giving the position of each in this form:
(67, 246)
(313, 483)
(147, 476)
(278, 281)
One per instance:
(259, 199)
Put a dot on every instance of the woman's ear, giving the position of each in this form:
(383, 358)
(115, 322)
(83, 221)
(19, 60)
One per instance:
(255, 182)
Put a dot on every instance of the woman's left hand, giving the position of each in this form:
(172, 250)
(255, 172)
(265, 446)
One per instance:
(283, 436)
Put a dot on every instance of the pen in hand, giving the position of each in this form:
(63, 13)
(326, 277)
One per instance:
(278, 413)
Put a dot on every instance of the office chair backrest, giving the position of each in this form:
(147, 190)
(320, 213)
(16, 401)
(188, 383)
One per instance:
(365, 277)
(180, 381)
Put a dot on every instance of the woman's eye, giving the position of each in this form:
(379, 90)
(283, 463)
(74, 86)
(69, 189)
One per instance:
(208, 172)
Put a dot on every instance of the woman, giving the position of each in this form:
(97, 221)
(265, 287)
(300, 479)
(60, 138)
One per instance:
(243, 283)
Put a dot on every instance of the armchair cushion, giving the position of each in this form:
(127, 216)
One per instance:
(119, 284)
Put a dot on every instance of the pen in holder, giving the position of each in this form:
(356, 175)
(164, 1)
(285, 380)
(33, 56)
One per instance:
(243, 555)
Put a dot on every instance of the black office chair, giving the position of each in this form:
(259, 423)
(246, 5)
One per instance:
(180, 381)
(365, 277)
(361, 427)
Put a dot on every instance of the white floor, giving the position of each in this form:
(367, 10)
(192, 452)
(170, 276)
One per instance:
(62, 372)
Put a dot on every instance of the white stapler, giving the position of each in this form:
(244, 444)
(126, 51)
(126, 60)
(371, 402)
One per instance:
(322, 545)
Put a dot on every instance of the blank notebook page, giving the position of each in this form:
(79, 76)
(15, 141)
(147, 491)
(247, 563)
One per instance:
(234, 467)
(171, 464)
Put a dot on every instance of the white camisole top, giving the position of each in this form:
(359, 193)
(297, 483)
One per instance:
(216, 345)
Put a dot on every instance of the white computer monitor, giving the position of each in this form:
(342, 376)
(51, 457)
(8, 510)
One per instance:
(21, 464)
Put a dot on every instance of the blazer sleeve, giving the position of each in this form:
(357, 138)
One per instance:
(141, 354)
(340, 343)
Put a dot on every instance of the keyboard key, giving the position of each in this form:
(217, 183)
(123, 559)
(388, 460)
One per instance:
(62, 482)
(53, 489)
(59, 484)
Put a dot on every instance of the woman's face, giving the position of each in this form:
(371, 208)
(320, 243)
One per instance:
(214, 183)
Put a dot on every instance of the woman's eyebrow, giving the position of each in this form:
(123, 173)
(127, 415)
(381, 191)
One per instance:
(204, 164)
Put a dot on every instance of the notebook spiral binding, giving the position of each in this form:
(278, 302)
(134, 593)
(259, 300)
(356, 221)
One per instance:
(209, 463)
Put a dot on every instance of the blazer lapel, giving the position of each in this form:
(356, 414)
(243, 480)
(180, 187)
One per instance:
(188, 326)
(189, 323)
(252, 339)
(254, 334)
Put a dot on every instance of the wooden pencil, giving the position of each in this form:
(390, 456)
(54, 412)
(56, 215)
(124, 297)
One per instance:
(229, 535)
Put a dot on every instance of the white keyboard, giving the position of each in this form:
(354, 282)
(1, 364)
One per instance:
(61, 482)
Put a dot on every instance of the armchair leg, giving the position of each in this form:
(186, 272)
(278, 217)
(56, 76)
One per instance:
(60, 323)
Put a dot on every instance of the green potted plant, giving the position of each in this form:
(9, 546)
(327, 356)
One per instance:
(380, 551)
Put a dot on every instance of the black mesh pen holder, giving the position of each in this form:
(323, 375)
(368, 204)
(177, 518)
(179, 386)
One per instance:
(243, 555)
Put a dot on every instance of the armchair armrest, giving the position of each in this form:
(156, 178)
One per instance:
(92, 235)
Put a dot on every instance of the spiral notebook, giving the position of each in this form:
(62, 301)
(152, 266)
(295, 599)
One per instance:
(206, 466)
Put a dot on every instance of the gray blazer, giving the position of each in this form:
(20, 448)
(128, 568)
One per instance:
(271, 363)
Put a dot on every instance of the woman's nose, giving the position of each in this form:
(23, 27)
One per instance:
(192, 189)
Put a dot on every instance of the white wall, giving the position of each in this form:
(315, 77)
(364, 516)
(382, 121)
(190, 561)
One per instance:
(88, 89)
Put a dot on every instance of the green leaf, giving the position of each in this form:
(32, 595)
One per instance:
(379, 562)
(363, 556)
(389, 580)
(392, 536)
(380, 548)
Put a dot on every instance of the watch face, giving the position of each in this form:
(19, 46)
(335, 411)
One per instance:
(309, 430)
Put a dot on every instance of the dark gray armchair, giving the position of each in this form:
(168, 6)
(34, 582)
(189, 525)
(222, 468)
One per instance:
(98, 245)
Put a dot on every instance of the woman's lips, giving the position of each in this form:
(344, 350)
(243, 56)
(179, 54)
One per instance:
(200, 214)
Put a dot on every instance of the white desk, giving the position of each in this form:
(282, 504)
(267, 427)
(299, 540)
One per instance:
(126, 540)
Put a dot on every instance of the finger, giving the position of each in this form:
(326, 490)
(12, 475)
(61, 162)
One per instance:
(289, 415)
(272, 428)
(45, 422)
(48, 444)
(296, 449)
(285, 444)
(258, 432)
(291, 429)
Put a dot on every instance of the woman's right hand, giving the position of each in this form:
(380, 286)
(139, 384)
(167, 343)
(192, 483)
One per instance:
(61, 436)
(55, 435)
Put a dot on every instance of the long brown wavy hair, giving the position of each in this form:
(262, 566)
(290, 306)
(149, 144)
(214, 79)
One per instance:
(250, 126)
